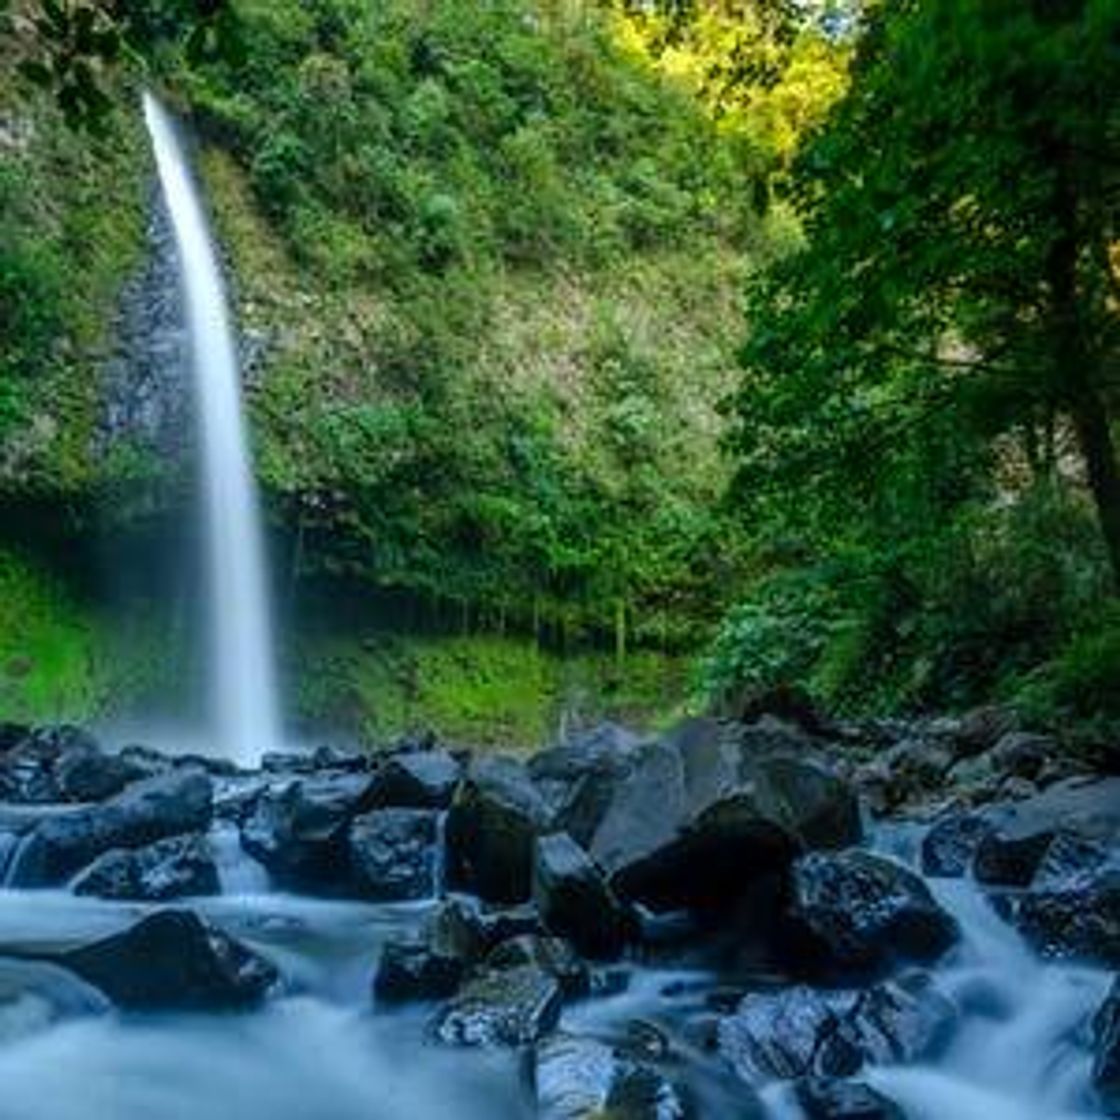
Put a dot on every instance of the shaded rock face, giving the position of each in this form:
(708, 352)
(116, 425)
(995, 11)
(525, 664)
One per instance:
(417, 780)
(552, 955)
(410, 970)
(1106, 1047)
(173, 960)
(300, 831)
(949, 847)
(858, 913)
(1004, 859)
(826, 1099)
(145, 812)
(574, 900)
(1080, 923)
(178, 867)
(805, 1032)
(492, 829)
(392, 854)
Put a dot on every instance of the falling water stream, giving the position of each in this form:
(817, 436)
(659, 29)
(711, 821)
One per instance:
(243, 686)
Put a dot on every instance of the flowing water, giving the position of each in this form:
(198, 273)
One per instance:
(243, 681)
(321, 1051)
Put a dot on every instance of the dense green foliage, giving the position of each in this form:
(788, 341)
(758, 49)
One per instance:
(930, 394)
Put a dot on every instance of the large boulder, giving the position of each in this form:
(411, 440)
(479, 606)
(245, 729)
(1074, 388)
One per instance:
(575, 901)
(393, 854)
(820, 810)
(84, 772)
(177, 867)
(143, 813)
(491, 831)
(300, 831)
(1010, 857)
(1081, 922)
(173, 960)
(802, 1032)
(854, 912)
(417, 780)
(578, 1078)
(1106, 1051)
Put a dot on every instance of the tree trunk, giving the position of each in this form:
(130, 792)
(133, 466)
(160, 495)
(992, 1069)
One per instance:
(1095, 438)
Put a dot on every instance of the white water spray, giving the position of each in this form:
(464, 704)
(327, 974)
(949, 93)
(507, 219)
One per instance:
(243, 687)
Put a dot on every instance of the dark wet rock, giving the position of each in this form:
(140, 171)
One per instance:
(856, 912)
(809, 1032)
(552, 955)
(148, 761)
(1106, 1051)
(393, 855)
(577, 778)
(411, 969)
(789, 1034)
(582, 1079)
(236, 802)
(11, 735)
(904, 1020)
(177, 867)
(827, 1099)
(299, 832)
(949, 847)
(1021, 754)
(143, 813)
(1009, 858)
(83, 772)
(207, 764)
(173, 960)
(813, 805)
(917, 766)
(337, 760)
(574, 900)
(1079, 923)
(506, 1007)
(1086, 807)
(287, 762)
(418, 780)
(492, 827)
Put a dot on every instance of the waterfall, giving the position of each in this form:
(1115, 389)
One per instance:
(243, 688)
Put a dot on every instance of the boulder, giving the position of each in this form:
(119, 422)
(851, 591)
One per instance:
(1081, 922)
(173, 960)
(417, 780)
(491, 831)
(1020, 754)
(575, 901)
(393, 854)
(1106, 1051)
(411, 969)
(583, 1079)
(827, 1099)
(1008, 857)
(577, 778)
(818, 809)
(83, 772)
(856, 912)
(803, 1032)
(300, 831)
(949, 847)
(143, 813)
(173, 868)
(504, 1007)
(980, 729)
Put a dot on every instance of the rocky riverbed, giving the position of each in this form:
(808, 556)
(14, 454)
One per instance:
(735, 919)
